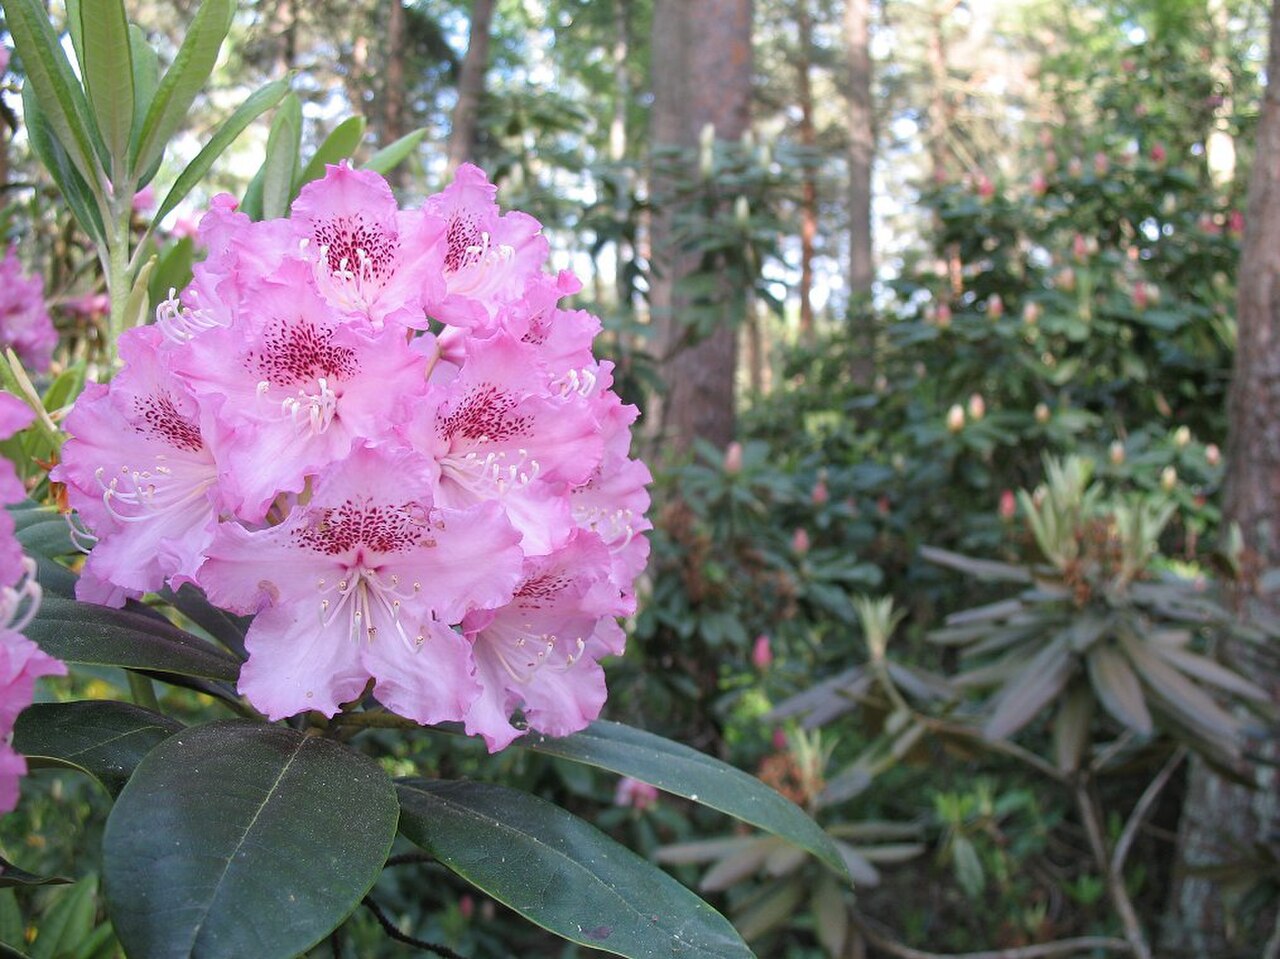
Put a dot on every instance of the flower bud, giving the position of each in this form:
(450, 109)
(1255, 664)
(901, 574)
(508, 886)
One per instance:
(819, 495)
(1212, 455)
(1158, 153)
(733, 458)
(1168, 479)
(1100, 164)
(1065, 280)
(995, 306)
(977, 407)
(1075, 167)
(1181, 437)
(1042, 413)
(1039, 184)
(1008, 505)
(955, 418)
(706, 150)
(635, 794)
(742, 209)
(762, 653)
(1031, 313)
(800, 541)
(986, 189)
(1079, 249)
(1116, 453)
(943, 315)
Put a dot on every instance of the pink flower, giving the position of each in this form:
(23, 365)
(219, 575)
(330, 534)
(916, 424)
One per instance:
(1158, 153)
(144, 201)
(363, 581)
(21, 664)
(733, 458)
(1008, 505)
(15, 415)
(762, 653)
(800, 541)
(635, 794)
(819, 495)
(25, 326)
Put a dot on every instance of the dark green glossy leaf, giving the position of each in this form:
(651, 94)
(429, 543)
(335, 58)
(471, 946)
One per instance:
(78, 632)
(227, 628)
(62, 100)
(338, 146)
(42, 531)
(107, 62)
(1118, 689)
(686, 772)
(73, 187)
(103, 738)
(183, 80)
(11, 875)
(146, 78)
(259, 102)
(239, 839)
(392, 155)
(561, 873)
(1039, 680)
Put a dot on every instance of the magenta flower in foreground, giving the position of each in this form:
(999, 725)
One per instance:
(378, 432)
(25, 326)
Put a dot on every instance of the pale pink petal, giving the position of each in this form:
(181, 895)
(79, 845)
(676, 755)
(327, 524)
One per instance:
(428, 681)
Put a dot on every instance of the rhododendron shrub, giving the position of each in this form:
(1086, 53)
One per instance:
(379, 433)
(25, 326)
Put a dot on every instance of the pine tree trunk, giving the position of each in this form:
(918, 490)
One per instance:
(393, 90)
(862, 144)
(808, 182)
(1220, 819)
(701, 76)
(618, 144)
(462, 137)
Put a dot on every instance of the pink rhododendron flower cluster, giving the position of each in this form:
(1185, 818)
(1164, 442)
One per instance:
(25, 326)
(377, 431)
(21, 661)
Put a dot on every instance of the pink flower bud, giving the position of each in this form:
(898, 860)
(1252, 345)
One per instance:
(762, 653)
(1158, 153)
(1051, 160)
(466, 906)
(800, 541)
(883, 506)
(1235, 223)
(1116, 453)
(955, 418)
(1168, 479)
(1100, 164)
(779, 740)
(977, 407)
(1008, 505)
(943, 315)
(733, 458)
(1079, 249)
(995, 306)
(986, 189)
(1212, 455)
(1138, 296)
(1031, 313)
(634, 794)
(1042, 413)
(1066, 279)
(1039, 184)
(144, 201)
(819, 495)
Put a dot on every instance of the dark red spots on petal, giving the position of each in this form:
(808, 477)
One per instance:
(466, 242)
(378, 527)
(486, 412)
(542, 590)
(301, 352)
(159, 417)
(353, 241)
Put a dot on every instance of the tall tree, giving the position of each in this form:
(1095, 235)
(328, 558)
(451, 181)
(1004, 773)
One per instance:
(462, 138)
(809, 177)
(1221, 819)
(862, 141)
(702, 64)
(393, 90)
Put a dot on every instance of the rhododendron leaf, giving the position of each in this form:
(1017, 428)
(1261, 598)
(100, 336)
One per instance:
(173, 269)
(280, 168)
(239, 839)
(146, 78)
(75, 190)
(337, 146)
(686, 772)
(107, 63)
(78, 632)
(562, 873)
(260, 101)
(227, 628)
(68, 924)
(183, 80)
(50, 77)
(40, 530)
(395, 153)
(11, 875)
(102, 738)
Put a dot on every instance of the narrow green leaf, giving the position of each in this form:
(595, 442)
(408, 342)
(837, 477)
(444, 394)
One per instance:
(239, 839)
(73, 187)
(108, 76)
(146, 78)
(261, 100)
(968, 867)
(1071, 727)
(1118, 689)
(11, 875)
(183, 80)
(61, 98)
(830, 916)
(984, 569)
(773, 909)
(78, 632)
(339, 145)
(1208, 671)
(280, 168)
(102, 738)
(137, 306)
(68, 921)
(173, 270)
(393, 154)
(686, 772)
(561, 873)
(1181, 699)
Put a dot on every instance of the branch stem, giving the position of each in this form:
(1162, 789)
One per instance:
(1043, 950)
(1092, 819)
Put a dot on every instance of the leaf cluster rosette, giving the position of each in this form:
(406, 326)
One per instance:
(377, 432)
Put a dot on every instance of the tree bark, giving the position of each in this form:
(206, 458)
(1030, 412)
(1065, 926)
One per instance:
(618, 145)
(462, 137)
(1220, 819)
(701, 77)
(862, 145)
(808, 181)
(393, 91)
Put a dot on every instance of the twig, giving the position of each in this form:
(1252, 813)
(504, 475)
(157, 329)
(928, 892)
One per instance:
(405, 858)
(369, 719)
(1143, 809)
(1043, 950)
(390, 929)
(1115, 882)
(1004, 746)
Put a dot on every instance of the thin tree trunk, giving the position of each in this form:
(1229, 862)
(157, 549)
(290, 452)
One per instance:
(712, 41)
(1221, 819)
(862, 142)
(393, 91)
(808, 184)
(462, 137)
(618, 143)
(284, 30)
